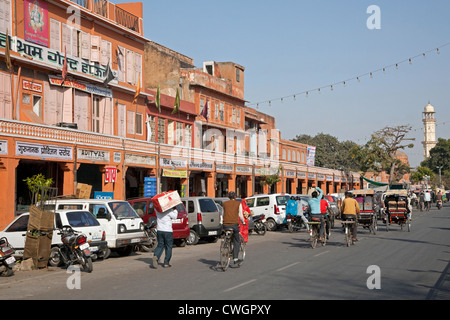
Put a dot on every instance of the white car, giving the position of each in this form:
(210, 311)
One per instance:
(273, 206)
(80, 220)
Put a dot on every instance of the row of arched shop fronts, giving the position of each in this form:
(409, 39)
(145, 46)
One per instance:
(121, 174)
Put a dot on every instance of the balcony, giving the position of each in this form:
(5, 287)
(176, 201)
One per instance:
(127, 15)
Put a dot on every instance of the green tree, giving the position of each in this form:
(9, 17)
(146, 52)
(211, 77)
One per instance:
(380, 153)
(420, 173)
(439, 161)
(330, 152)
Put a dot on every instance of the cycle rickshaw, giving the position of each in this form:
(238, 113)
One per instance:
(397, 209)
(367, 216)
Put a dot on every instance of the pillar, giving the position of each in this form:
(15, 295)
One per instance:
(250, 190)
(211, 184)
(232, 182)
(7, 197)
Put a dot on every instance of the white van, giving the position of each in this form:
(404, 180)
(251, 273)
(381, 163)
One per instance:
(80, 220)
(123, 226)
(273, 206)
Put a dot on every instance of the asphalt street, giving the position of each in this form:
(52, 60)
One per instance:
(391, 265)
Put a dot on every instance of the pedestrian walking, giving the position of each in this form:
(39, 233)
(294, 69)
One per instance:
(164, 235)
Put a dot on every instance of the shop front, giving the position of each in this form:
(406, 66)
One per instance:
(291, 183)
(224, 172)
(302, 185)
(174, 175)
(244, 184)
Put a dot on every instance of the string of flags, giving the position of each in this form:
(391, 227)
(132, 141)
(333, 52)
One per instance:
(343, 83)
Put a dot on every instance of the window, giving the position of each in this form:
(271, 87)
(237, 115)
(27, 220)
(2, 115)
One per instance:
(207, 205)
(179, 134)
(161, 130)
(37, 105)
(222, 117)
(170, 132)
(250, 202)
(238, 116)
(234, 116)
(216, 111)
(151, 122)
(140, 208)
(55, 35)
(139, 127)
(96, 114)
(81, 219)
(264, 201)
(238, 75)
(187, 135)
(20, 225)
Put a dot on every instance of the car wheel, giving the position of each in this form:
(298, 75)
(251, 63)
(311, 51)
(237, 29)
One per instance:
(271, 225)
(193, 238)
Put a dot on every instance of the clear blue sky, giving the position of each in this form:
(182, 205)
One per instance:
(291, 46)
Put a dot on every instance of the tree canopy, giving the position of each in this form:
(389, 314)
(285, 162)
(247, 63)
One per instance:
(330, 152)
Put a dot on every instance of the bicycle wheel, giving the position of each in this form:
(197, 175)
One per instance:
(348, 235)
(314, 236)
(225, 254)
(241, 255)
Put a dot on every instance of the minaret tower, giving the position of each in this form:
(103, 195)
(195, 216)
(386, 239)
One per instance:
(429, 130)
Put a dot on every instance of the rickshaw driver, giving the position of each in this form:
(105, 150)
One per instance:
(349, 210)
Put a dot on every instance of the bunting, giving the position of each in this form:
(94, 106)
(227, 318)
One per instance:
(176, 107)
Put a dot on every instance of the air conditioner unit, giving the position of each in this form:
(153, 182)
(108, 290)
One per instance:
(67, 125)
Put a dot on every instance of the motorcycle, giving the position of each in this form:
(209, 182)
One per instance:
(75, 248)
(439, 204)
(7, 260)
(150, 232)
(259, 224)
(294, 223)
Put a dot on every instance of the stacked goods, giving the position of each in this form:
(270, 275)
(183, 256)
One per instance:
(83, 191)
(150, 187)
(39, 236)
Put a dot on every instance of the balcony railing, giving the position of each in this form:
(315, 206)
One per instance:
(101, 8)
(82, 3)
(126, 19)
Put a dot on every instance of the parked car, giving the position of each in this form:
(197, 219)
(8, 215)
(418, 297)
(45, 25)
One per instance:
(204, 219)
(80, 220)
(144, 208)
(123, 226)
(273, 206)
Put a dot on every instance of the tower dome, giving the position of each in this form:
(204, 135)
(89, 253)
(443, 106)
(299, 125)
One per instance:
(429, 108)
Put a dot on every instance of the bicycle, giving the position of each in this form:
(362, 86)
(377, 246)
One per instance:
(348, 231)
(226, 249)
(315, 232)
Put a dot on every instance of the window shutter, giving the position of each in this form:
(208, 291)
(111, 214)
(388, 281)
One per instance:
(5, 96)
(105, 116)
(95, 48)
(131, 118)
(75, 51)
(5, 16)
(85, 46)
(121, 63)
(67, 106)
(121, 120)
(137, 67)
(66, 39)
(81, 108)
(130, 67)
(55, 35)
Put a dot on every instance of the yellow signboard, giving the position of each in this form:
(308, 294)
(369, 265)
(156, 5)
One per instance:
(175, 173)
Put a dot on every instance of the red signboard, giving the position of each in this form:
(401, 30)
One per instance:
(110, 174)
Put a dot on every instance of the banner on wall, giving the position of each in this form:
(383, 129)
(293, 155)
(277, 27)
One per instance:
(36, 22)
(310, 156)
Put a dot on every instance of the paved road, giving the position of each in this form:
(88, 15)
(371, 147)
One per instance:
(280, 265)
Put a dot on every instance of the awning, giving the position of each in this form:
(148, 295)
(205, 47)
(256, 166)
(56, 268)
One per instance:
(376, 183)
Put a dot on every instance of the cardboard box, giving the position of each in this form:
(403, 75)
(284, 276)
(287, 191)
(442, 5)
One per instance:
(83, 191)
(166, 200)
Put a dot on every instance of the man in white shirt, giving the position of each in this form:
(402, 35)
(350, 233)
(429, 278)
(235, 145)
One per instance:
(164, 236)
(427, 198)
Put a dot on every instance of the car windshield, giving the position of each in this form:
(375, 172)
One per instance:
(282, 200)
(207, 205)
(81, 219)
(122, 210)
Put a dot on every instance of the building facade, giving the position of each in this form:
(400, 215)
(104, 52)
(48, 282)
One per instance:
(80, 104)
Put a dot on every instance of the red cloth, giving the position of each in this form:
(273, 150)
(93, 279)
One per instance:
(243, 229)
(323, 206)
